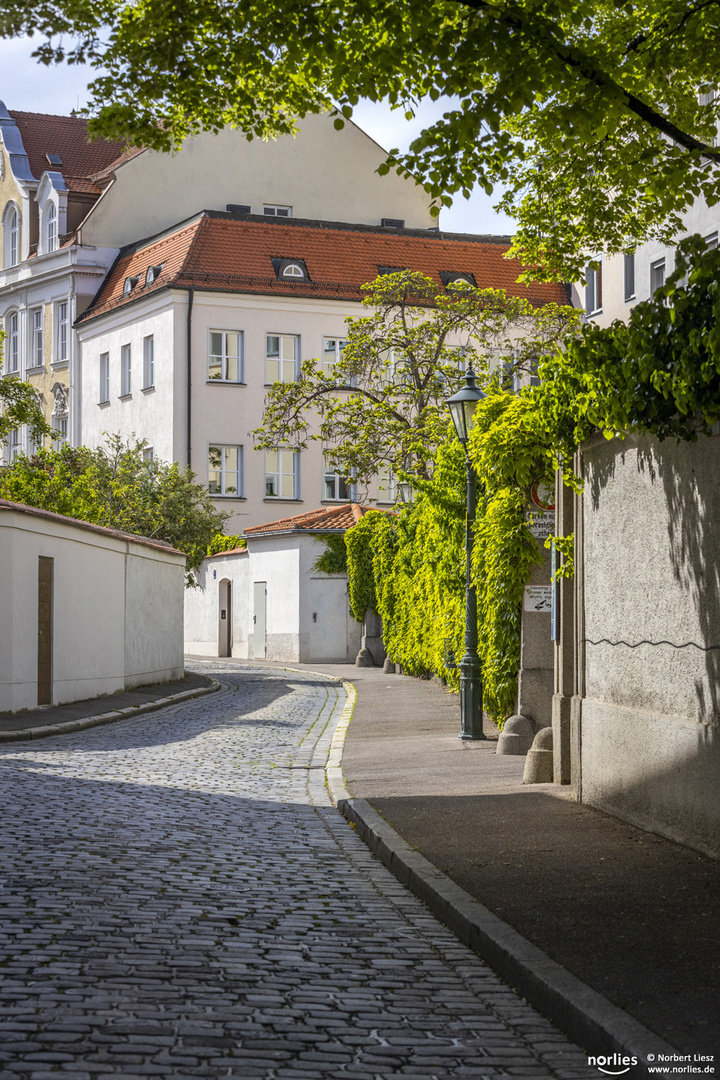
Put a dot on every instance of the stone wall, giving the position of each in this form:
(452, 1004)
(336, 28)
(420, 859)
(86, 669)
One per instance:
(648, 595)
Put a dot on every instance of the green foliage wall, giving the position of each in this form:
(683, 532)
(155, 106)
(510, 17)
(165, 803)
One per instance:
(659, 374)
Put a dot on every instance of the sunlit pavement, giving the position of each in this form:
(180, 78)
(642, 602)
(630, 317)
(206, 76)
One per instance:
(179, 898)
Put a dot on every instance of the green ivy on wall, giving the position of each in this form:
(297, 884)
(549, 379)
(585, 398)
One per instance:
(659, 374)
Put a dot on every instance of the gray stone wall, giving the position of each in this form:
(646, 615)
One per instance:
(649, 590)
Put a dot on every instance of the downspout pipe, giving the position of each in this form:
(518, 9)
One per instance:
(191, 298)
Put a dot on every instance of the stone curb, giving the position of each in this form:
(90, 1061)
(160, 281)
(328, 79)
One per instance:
(583, 1014)
(106, 718)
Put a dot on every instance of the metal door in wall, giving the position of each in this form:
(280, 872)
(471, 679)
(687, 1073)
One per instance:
(259, 619)
(225, 618)
(45, 630)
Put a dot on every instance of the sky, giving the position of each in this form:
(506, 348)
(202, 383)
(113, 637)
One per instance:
(28, 86)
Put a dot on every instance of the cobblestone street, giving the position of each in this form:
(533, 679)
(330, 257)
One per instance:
(180, 898)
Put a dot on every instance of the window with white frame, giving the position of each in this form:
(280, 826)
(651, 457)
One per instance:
(629, 274)
(104, 388)
(335, 485)
(386, 486)
(51, 236)
(148, 454)
(14, 444)
(59, 430)
(593, 289)
(148, 362)
(225, 356)
(225, 470)
(283, 351)
(273, 210)
(37, 348)
(13, 342)
(657, 275)
(11, 236)
(125, 370)
(711, 241)
(282, 474)
(332, 352)
(61, 331)
(709, 98)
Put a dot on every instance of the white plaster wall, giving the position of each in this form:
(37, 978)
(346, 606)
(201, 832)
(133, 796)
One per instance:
(276, 560)
(322, 174)
(91, 622)
(700, 218)
(202, 606)
(651, 711)
(327, 630)
(147, 414)
(225, 413)
(154, 605)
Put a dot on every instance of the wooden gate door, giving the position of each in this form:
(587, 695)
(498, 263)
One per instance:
(45, 630)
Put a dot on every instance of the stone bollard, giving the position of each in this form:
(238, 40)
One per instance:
(539, 762)
(516, 737)
(364, 659)
(388, 666)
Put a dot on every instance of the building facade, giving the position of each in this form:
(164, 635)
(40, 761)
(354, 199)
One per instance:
(192, 327)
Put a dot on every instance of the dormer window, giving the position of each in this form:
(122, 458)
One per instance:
(383, 270)
(51, 228)
(153, 273)
(291, 270)
(53, 159)
(130, 283)
(450, 278)
(273, 210)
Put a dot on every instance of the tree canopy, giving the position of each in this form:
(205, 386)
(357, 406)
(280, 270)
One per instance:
(599, 116)
(19, 404)
(381, 404)
(115, 486)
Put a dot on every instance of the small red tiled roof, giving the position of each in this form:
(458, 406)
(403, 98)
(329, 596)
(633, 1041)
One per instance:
(66, 136)
(217, 252)
(326, 519)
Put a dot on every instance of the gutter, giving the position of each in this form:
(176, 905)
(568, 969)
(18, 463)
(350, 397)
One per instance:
(191, 297)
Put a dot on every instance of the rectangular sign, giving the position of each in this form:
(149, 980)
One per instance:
(538, 598)
(541, 525)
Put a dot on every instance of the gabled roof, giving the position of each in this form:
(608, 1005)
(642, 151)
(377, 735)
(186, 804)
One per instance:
(326, 519)
(66, 136)
(221, 252)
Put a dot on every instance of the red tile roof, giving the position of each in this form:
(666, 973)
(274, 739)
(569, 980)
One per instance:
(66, 136)
(217, 252)
(326, 519)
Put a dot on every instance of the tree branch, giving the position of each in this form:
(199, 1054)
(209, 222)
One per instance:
(548, 31)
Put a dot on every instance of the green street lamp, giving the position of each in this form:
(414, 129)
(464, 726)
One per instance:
(406, 491)
(462, 409)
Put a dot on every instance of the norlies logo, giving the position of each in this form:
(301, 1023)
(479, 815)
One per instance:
(614, 1065)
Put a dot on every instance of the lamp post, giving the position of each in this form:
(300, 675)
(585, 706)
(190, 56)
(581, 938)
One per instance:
(462, 409)
(406, 491)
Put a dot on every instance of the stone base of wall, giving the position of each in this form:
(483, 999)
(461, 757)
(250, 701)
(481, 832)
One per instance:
(659, 772)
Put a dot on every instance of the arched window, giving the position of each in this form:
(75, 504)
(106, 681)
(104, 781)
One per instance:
(293, 270)
(11, 236)
(51, 227)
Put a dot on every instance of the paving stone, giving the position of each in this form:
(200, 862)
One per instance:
(180, 899)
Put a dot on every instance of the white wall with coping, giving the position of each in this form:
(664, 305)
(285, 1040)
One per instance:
(295, 592)
(649, 730)
(117, 608)
(323, 174)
